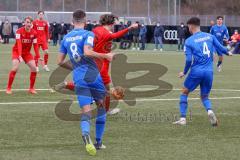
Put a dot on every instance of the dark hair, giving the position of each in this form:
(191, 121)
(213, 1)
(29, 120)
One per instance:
(108, 19)
(79, 16)
(194, 21)
(40, 12)
(218, 17)
(28, 17)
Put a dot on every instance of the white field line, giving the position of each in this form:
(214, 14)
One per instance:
(138, 100)
(134, 89)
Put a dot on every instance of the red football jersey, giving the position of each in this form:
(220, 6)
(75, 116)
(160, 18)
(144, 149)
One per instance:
(103, 43)
(24, 41)
(41, 26)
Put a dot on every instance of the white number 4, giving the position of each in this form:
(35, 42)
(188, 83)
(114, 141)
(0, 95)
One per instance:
(205, 49)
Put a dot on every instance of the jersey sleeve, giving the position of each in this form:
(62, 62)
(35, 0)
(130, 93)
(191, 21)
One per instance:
(47, 30)
(19, 42)
(188, 55)
(226, 33)
(119, 33)
(89, 39)
(63, 49)
(219, 48)
(211, 30)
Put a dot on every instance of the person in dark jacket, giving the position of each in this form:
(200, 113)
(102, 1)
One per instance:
(158, 36)
(89, 26)
(142, 36)
(181, 32)
(54, 31)
(135, 33)
(62, 31)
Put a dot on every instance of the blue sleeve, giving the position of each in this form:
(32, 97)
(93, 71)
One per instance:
(212, 30)
(89, 39)
(63, 49)
(188, 54)
(219, 48)
(226, 33)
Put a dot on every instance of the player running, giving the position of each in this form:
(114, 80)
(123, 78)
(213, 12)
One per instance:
(102, 44)
(41, 26)
(220, 31)
(87, 80)
(199, 57)
(25, 38)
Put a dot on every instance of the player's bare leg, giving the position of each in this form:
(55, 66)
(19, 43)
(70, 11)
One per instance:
(45, 58)
(183, 107)
(15, 66)
(85, 127)
(31, 64)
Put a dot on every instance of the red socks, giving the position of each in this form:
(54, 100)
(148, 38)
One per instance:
(45, 59)
(11, 78)
(70, 86)
(107, 103)
(32, 79)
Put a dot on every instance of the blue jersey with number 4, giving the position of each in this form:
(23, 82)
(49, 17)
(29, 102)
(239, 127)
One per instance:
(199, 51)
(73, 45)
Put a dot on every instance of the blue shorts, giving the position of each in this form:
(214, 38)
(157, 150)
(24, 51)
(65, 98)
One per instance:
(202, 78)
(88, 91)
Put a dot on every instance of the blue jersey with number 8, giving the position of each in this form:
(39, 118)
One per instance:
(73, 45)
(199, 48)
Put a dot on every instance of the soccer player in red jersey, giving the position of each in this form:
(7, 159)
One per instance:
(102, 44)
(42, 28)
(25, 38)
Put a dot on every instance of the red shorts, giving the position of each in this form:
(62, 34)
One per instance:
(44, 46)
(26, 56)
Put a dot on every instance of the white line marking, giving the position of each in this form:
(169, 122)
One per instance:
(135, 89)
(138, 100)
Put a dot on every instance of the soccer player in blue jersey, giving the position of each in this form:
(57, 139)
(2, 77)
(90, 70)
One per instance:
(199, 60)
(220, 31)
(88, 83)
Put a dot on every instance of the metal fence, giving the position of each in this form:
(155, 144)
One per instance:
(168, 12)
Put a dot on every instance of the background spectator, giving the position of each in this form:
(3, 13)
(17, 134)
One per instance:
(62, 31)
(142, 36)
(135, 33)
(54, 31)
(89, 25)
(181, 32)
(6, 31)
(158, 35)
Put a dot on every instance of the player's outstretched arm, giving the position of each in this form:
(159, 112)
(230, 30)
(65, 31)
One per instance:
(121, 33)
(188, 62)
(220, 48)
(88, 51)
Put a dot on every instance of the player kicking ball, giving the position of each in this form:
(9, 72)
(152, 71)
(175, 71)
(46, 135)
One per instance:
(41, 27)
(102, 44)
(88, 82)
(200, 58)
(25, 38)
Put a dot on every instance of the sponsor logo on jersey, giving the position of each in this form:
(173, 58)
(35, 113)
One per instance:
(40, 28)
(26, 41)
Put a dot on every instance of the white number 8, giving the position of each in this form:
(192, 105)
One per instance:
(74, 50)
(205, 49)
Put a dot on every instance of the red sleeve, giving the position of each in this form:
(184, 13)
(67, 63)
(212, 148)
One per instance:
(19, 42)
(119, 33)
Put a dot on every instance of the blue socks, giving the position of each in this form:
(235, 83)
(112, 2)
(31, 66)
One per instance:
(85, 124)
(206, 103)
(100, 124)
(183, 105)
